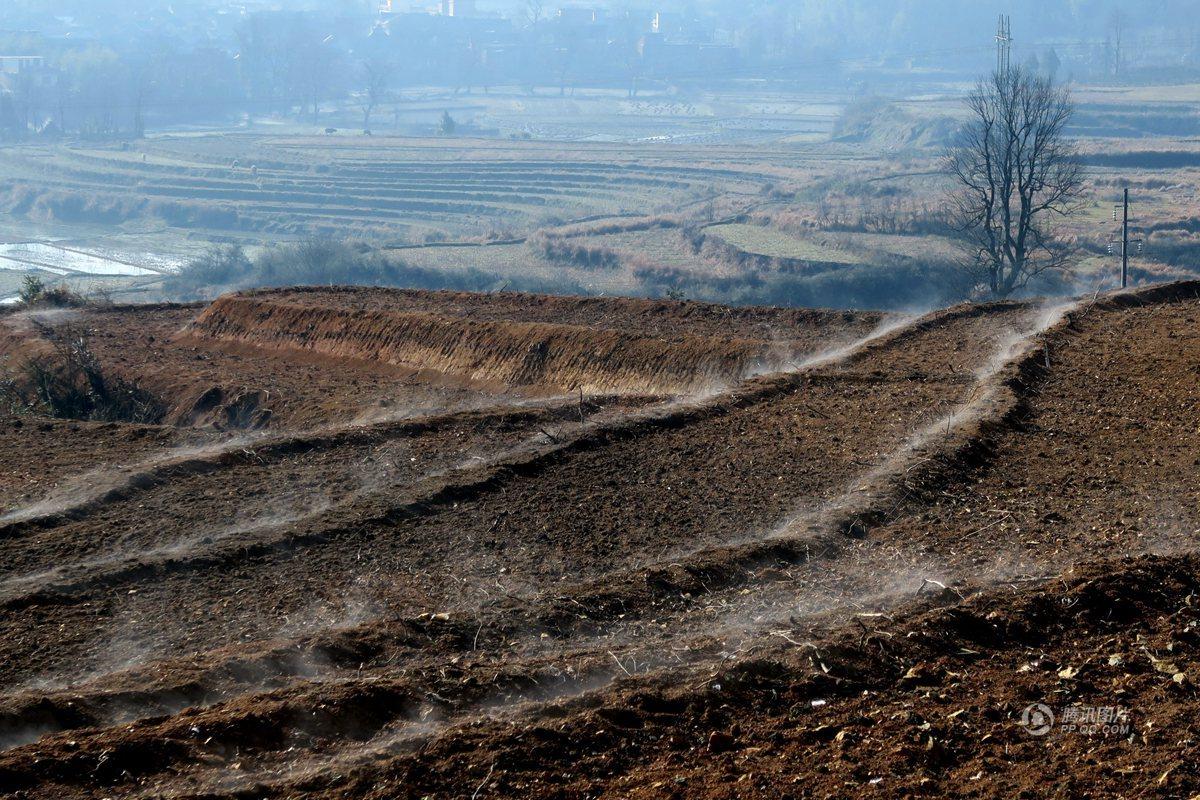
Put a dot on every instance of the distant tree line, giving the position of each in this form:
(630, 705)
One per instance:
(94, 91)
(155, 62)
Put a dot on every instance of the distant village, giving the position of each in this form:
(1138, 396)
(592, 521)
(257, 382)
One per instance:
(571, 45)
(114, 68)
(270, 59)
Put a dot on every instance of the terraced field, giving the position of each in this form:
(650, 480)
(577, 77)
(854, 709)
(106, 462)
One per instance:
(509, 545)
(337, 185)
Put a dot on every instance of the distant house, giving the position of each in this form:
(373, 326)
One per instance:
(677, 27)
(580, 16)
(17, 65)
(21, 78)
(458, 8)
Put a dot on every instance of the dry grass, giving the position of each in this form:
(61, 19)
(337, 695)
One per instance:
(514, 353)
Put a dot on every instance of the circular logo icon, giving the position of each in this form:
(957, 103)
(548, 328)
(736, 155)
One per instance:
(1037, 719)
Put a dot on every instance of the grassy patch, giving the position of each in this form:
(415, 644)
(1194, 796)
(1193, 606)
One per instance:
(763, 241)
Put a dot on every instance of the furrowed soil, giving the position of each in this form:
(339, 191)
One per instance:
(407, 544)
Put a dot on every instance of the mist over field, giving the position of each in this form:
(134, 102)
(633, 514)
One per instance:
(779, 153)
(561, 399)
(128, 65)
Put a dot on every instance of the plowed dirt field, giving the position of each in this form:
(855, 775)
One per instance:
(409, 544)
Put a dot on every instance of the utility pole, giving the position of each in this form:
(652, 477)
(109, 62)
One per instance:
(1121, 214)
(1004, 45)
(1125, 243)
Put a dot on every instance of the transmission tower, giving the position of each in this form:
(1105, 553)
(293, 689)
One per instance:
(1004, 42)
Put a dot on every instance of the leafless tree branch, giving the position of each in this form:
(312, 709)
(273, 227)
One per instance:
(1015, 174)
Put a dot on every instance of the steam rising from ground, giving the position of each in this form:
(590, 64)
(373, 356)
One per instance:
(294, 505)
(1008, 349)
(33, 319)
(740, 620)
(302, 508)
(92, 486)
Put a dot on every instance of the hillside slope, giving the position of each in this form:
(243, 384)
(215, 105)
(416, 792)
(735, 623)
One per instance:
(847, 576)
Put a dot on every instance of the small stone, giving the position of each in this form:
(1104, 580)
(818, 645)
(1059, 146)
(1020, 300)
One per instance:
(720, 742)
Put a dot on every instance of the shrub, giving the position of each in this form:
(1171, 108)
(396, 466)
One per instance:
(34, 292)
(330, 263)
(222, 266)
(897, 285)
(32, 288)
(1178, 248)
(574, 254)
(70, 384)
(633, 225)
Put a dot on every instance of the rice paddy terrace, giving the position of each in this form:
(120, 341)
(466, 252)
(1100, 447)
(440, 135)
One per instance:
(316, 185)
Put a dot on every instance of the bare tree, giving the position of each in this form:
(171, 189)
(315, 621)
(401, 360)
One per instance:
(27, 95)
(533, 11)
(142, 84)
(376, 78)
(1114, 53)
(1015, 174)
(264, 61)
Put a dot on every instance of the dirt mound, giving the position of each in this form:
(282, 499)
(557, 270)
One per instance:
(226, 410)
(663, 319)
(931, 700)
(302, 388)
(512, 352)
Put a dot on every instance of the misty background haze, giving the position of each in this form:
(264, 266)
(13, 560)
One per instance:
(98, 68)
(739, 152)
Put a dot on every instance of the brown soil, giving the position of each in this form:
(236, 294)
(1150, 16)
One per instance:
(843, 579)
